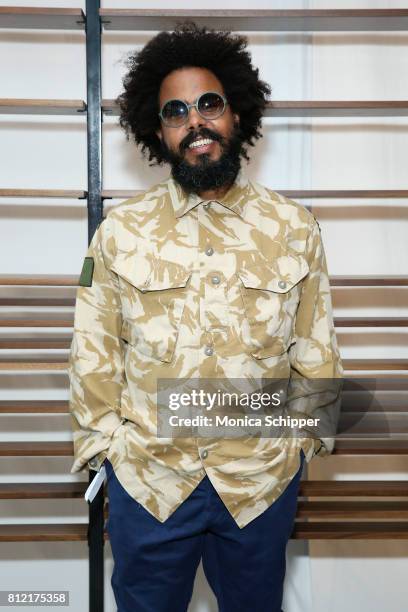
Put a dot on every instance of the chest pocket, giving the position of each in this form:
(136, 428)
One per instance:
(153, 294)
(270, 295)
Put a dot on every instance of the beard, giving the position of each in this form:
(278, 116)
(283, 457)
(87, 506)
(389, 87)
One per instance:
(206, 174)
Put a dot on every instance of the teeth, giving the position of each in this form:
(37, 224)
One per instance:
(200, 143)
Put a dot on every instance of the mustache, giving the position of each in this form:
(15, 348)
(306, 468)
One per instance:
(204, 133)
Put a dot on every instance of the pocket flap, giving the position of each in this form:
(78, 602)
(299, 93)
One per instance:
(279, 275)
(147, 272)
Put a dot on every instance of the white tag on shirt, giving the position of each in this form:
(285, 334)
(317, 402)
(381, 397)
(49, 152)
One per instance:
(95, 484)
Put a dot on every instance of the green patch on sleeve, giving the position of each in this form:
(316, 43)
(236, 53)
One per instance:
(85, 280)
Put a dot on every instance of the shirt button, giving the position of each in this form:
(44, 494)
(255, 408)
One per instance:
(204, 454)
(215, 280)
(209, 350)
(206, 205)
(282, 284)
(93, 462)
(209, 251)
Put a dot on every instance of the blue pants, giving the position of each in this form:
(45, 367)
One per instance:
(155, 563)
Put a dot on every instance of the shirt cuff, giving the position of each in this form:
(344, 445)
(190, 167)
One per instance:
(96, 462)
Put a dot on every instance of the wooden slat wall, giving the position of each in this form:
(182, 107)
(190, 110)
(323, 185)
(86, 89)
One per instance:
(343, 517)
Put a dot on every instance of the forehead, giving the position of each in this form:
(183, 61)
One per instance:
(188, 83)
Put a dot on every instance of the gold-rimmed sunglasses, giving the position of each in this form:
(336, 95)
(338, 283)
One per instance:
(210, 105)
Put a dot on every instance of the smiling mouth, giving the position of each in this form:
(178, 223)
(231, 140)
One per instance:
(200, 143)
(201, 146)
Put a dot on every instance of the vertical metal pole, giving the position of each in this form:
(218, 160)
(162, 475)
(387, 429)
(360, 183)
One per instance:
(95, 212)
(94, 124)
(96, 550)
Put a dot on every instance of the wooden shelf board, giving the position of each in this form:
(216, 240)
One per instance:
(37, 322)
(23, 106)
(36, 449)
(73, 194)
(46, 342)
(296, 194)
(342, 447)
(60, 362)
(341, 20)
(34, 407)
(46, 362)
(353, 488)
(74, 532)
(302, 530)
(369, 321)
(37, 301)
(40, 280)
(350, 530)
(54, 321)
(316, 108)
(42, 18)
(42, 490)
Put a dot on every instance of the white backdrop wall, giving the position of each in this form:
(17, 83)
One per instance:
(360, 236)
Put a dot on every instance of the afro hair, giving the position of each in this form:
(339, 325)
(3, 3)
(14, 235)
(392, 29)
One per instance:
(221, 52)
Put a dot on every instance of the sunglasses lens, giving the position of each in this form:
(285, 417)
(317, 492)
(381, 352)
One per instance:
(211, 105)
(174, 112)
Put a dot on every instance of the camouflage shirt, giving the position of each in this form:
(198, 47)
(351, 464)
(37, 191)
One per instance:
(180, 287)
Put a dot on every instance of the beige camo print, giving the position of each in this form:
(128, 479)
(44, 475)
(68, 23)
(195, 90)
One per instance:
(153, 309)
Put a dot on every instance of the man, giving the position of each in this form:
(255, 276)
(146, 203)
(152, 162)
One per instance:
(206, 275)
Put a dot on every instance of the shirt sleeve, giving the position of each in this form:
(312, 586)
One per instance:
(96, 365)
(314, 388)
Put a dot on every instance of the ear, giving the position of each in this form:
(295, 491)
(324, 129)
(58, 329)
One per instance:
(236, 118)
(159, 134)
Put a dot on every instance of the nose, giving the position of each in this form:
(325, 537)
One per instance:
(194, 119)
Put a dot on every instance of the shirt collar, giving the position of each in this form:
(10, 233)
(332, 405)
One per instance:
(235, 198)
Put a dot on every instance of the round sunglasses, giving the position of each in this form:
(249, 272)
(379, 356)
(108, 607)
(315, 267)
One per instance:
(210, 105)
